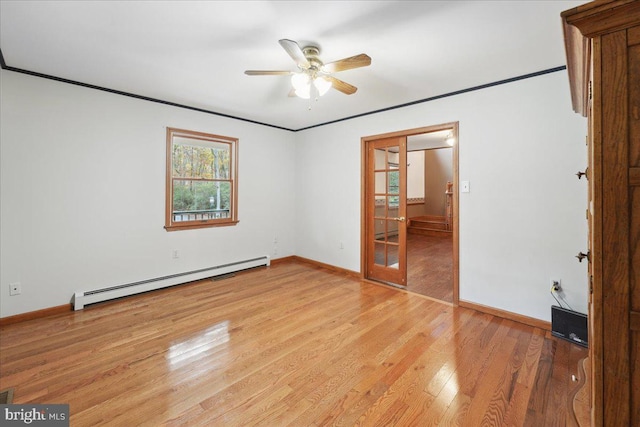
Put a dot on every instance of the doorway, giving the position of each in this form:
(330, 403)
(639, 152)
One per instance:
(409, 215)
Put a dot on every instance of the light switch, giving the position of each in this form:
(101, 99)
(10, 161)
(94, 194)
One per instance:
(464, 186)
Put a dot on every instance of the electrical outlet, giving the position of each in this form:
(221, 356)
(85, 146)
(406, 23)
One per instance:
(175, 254)
(15, 289)
(341, 246)
(556, 284)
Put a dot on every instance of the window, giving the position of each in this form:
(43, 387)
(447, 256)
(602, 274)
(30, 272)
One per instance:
(202, 172)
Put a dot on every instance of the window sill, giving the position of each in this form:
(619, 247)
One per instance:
(194, 225)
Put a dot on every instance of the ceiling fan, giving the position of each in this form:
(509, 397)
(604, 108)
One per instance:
(312, 73)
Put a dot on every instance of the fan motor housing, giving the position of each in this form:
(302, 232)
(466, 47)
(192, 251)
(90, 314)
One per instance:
(312, 53)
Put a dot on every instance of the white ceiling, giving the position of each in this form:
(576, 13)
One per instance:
(194, 53)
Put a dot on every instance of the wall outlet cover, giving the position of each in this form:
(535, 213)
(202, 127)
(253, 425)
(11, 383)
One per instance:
(15, 289)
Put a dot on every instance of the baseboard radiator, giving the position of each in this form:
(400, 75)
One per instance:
(82, 298)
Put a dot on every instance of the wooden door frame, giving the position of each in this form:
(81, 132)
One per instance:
(364, 143)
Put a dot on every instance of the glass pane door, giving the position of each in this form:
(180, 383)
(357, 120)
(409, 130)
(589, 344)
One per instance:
(386, 210)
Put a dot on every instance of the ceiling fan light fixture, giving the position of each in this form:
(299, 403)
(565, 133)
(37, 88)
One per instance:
(300, 82)
(313, 78)
(322, 84)
(303, 92)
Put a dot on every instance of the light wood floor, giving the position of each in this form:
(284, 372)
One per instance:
(430, 266)
(288, 345)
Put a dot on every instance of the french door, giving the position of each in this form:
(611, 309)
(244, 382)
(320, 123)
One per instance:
(386, 210)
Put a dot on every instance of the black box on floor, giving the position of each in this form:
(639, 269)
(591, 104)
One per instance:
(569, 325)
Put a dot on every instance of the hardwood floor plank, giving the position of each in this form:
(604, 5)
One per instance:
(559, 395)
(503, 395)
(430, 266)
(292, 344)
(550, 400)
(530, 363)
(496, 378)
(517, 406)
(363, 395)
(456, 412)
(472, 365)
(393, 377)
(358, 358)
(414, 389)
(542, 383)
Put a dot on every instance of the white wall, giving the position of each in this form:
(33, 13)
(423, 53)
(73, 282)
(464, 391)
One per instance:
(83, 192)
(520, 145)
(438, 171)
(415, 174)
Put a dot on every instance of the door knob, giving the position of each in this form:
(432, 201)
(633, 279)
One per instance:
(582, 256)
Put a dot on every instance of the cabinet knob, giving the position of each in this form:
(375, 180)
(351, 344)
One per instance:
(582, 256)
(581, 174)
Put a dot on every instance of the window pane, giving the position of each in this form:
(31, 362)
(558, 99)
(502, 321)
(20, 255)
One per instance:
(392, 231)
(379, 254)
(201, 179)
(394, 182)
(190, 160)
(201, 200)
(380, 158)
(380, 230)
(392, 160)
(381, 187)
(392, 256)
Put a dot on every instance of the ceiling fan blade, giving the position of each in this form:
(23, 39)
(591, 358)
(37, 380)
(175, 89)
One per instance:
(343, 87)
(356, 61)
(295, 52)
(267, 73)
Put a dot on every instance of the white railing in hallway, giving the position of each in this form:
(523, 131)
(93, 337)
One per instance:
(180, 216)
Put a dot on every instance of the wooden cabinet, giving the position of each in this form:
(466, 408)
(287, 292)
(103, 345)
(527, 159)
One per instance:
(602, 41)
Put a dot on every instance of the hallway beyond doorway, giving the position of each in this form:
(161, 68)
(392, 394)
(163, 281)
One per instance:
(430, 266)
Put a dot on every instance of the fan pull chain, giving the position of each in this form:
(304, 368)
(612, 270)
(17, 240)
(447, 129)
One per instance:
(313, 94)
